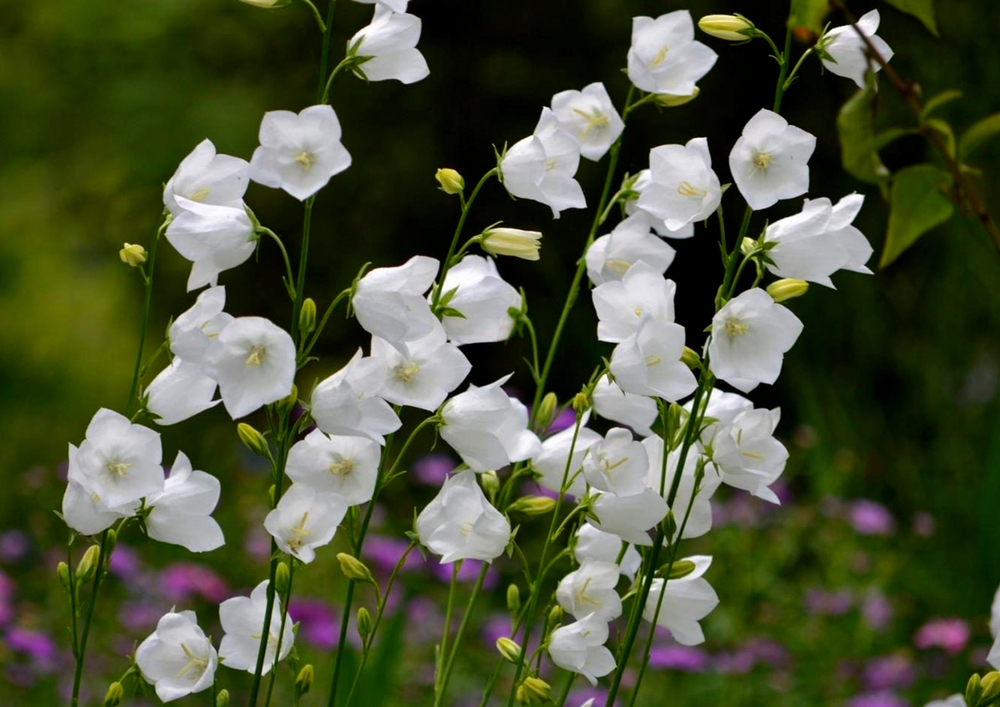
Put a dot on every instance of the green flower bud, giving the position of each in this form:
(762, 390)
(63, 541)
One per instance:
(490, 483)
(304, 680)
(786, 289)
(670, 100)
(511, 241)
(62, 570)
(282, 579)
(555, 615)
(974, 690)
(353, 568)
(268, 4)
(133, 255)
(451, 181)
(364, 622)
(991, 688)
(513, 599)
(113, 697)
(88, 564)
(679, 569)
(732, 28)
(670, 525)
(546, 411)
(581, 402)
(532, 505)
(690, 358)
(534, 691)
(111, 539)
(510, 651)
(307, 316)
(270, 494)
(222, 699)
(253, 439)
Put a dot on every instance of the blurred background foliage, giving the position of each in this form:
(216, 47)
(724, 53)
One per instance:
(890, 394)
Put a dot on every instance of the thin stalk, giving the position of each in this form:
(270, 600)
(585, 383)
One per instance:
(281, 631)
(98, 574)
(284, 254)
(72, 597)
(322, 324)
(566, 688)
(461, 632)
(443, 648)
(133, 391)
(779, 90)
(319, 17)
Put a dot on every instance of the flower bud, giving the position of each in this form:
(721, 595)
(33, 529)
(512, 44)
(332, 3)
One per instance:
(534, 691)
(353, 568)
(288, 403)
(787, 289)
(546, 411)
(270, 495)
(307, 316)
(113, 697)
(991, 688)
(512, 241)
(110, 540)
(62, 570)
(304, 680)
(581, 402)
(133, 255)
(282, 579)
(690, 358)
(88, 564)
(532, 505)
(729, 27)
(268, 4)
(670, 525)
(364, 622)
(451, 181)
(513, 599)
(510, 651)
(555, 615)
(253, 439)
(679, 569)
(670, 100)
(973, 690)
(490, 483)
(222, 699)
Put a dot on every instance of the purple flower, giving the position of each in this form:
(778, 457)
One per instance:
(739, 662)
(767, 650)
(821, 601)
(139, 616)
(562, 421)
(950, 635)
(889, 672)
(870, 518)
(599, 694)
(7, 587)
(384, 552)
(125, 563)
(319, 626)
(467, 574)
(433, 469)
(496, 626)
(680, 658)
(877, 699)
(14, 545)
(876, 609)
(182, 581)
(38, 646)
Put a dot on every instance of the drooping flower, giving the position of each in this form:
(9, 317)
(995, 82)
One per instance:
(664, 56)
(542, 167)
(213, 238)
(461, 524)
(206, 177)
(683, 187)
(347, 403)
(632, 240)
(623, 306)
(304, 520)
(345, 466)
(488, 428)
(770, 160)
(629, 517)
(649, 362)
(590, 590)
(700, 518)
(423, 374)
(180, 391)
(253, 361)
(590, 116)
(177, 658)
(242, 620)
(750, 336)
(181, 513)
(594, 544)
(299, 152)
(850, 52)
(389, 45)
(617, 464)
(390, 304)
(551, 461)
(688, 600)
(483, 298)
(192, 331)
(579, 648)
(748, 456)
(643, 180)
(635, 411)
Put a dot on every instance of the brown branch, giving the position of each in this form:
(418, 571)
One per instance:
(910, 94)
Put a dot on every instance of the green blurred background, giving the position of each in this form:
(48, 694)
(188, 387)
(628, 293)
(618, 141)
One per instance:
(890, 394)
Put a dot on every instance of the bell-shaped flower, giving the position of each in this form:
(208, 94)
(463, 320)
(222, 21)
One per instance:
(818, 241)
(191, 332)
(213, 238)
(594, 544)
(182, 513)
(423, 374)
(590, 117)
(460, 523)
(613, 254)
(348, 403)
(304, 520)
(590, 589)
(542, 167)
(483, 298)
(242, 620)
(700, 519)
(390, 304)
(750, 336)
(643, 180)
(624, 306)
(629, 517)
(178, 659)
(345, 466)
(617, 464)
(849, 51)
(389, 45)
(770, 160)
(394, 5)
(748, 456)
(180, 391)
(119, 462)
(82, 507)
(299, 152)
(687, 601)
(664, 56)
(649, 362)
(720, 412)
(253, 361)
(488, 428)
(635, 411)
(579, 648)
(206, 177)
(551, 462)
(683, 187)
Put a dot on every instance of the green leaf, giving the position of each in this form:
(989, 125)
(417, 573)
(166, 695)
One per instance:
(978, 134)
(809, 14)
(918, 203)
(942, 127)
(855, 125)
(939, 100)
(923, 10)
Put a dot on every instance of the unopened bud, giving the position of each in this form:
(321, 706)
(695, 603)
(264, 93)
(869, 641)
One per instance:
(787, 289)
(222, 699)
(114, 695)
(532, 505)
(282, 579)
(307, 316)
(304, 680)
(353, 568)
(509, 650)
(670, 525)
(555, 615)
(364, 622)
(270, 494)
(729, 27)
(678, 570)
(288, 403)
(991, 688)
(547, 411)
(253, 439)
(88, 564)
(534, 691)
(268, 4)
(490, 483)
(513, 599)
(690, 358)
(451, 181)
(133, 255)
(671, 100)
(110, 540)
(581, 402)
(512, 241)
(62, 570)
(973, 690)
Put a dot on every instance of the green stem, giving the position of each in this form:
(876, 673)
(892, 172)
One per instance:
(324, 57)
(566, 688)
(98, 575)
(133, 391)
(325, 96)
(322, 324)
(461, 632)
(779, 90)
(284, 254)
(72, 598)
(281, 630)
(317, 15)
(795, 69)
(443, 648)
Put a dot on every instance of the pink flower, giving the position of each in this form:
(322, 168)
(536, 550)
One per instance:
(950, 635)
(870, 518)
